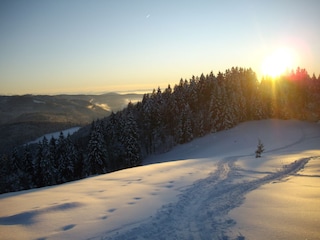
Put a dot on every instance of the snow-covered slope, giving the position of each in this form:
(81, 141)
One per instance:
(195, 191)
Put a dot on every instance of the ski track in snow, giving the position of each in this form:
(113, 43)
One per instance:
(201, 211)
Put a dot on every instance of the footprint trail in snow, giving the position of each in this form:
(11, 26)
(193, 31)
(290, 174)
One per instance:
(201, 211)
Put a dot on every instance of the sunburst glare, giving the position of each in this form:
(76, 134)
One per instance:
(278, 62)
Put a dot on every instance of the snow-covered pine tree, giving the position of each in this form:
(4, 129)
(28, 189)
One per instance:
(38, 178)
(46, 167)
(130, 139)
(168, 114)
(185, 129)
(27, 165)
(15, 171)
(112, 139)
(61, 155)
(146, 119)
(53, 149)
(218, 109)
(97, 152)
(260, 149)
(71, 158)
(157, 119)
(53, 158)
(79, 167)
(199, 130)
(4, 171)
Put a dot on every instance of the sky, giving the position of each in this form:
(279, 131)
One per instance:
(82, 46)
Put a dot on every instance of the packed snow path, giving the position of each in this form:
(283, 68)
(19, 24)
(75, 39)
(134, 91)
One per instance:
(201, 211)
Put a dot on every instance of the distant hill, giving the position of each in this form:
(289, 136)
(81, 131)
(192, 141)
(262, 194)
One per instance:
(27, 117)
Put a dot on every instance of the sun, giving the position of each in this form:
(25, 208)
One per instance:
(278, 62)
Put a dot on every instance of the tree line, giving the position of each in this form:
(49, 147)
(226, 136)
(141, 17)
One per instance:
(161, 120)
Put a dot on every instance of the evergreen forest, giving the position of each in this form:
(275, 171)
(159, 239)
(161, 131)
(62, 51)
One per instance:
(161, 120)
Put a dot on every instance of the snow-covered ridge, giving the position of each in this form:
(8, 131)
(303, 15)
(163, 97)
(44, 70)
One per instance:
(56, 134)
(185, 193)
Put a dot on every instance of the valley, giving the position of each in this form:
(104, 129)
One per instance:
(25, 118)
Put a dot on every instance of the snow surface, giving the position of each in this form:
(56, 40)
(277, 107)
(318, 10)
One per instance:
(39, 101)
(56, 134)
(210, 188)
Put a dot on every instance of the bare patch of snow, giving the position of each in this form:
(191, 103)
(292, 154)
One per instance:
(39, 101)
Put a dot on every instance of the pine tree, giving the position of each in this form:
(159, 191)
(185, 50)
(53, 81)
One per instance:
(53, 159)
(15, 171)
(130, 140)
(46, 167)
(61, 156)
(146, 119)
(112, 139)
(185, 128)
(38, 178)
(260, 149)
(71, 158)
(97, 152)
(79, 166)
(4, 171)
(218, 110)
(27, 165)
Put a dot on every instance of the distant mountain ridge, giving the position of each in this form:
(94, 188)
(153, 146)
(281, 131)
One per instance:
(26, 117)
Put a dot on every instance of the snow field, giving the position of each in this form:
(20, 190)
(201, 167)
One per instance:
(94, 206)
(210, 188)
(284, 209)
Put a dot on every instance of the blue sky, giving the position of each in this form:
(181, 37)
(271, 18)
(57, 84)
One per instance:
(77, 46)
